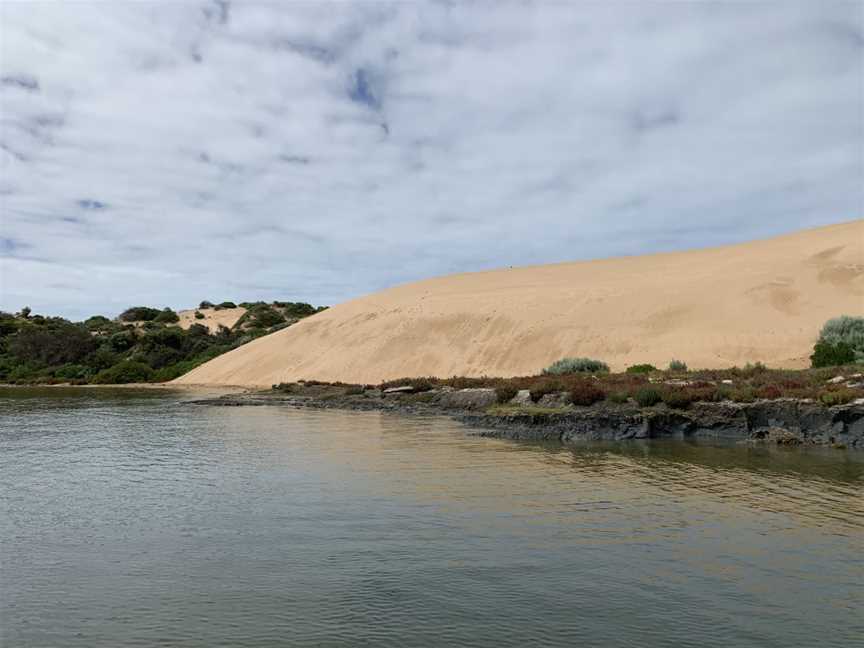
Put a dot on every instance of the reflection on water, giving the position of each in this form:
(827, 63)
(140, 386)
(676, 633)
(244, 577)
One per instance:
(131, 518)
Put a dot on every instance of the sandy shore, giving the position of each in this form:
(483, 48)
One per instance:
(759, 301)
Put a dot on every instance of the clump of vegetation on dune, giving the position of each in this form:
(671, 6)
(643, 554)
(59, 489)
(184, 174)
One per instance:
(841, 341)
(576, 365)
(142, 345)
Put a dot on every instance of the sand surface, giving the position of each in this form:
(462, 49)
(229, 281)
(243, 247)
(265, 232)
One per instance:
(212, 318)
(759, 301)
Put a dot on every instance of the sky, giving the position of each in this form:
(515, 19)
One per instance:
(167, 153)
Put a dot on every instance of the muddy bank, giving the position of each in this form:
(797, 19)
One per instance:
(781, 421)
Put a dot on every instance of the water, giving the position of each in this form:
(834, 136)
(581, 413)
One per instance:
(132, 519)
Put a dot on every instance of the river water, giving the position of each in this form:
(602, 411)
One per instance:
(136, 519)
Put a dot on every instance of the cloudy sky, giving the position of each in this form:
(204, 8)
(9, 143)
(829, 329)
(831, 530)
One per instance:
(165, 153)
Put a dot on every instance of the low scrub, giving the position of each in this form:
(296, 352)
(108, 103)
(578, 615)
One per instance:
(641, 369)
(677, 365)
(586, 393)
(125, 372)
(139, 314)
(505, 393)
(647, 396)
(576, 365)
(837, 396)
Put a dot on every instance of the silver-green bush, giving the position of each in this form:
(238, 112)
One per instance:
(575, 365)
(845, 330)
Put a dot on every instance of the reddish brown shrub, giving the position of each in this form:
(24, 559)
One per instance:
(586, 393)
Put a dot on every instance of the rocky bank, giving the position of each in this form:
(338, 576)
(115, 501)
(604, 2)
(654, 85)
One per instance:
(780, 421)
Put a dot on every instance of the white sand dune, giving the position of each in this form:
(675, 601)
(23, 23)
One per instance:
(759, 301)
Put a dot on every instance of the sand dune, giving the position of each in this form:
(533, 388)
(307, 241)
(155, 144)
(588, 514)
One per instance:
(759, 301)
(213, 318)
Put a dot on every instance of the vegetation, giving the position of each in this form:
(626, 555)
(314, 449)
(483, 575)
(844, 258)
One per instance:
(575, 365)
(841, 341)
(677, 365)
(139, 314)
(142, 345)
(641, 368)
(586, 393)
(737, 384)
(647, 396)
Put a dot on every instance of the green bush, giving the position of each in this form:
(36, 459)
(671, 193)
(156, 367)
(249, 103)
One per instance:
(832, 354)
(139, 314)
(124, 372)
(575, 365)
(100, 324)
(505, 393)
(227, 304)
(845, 330)
(55, 342)
(641, 369)
(205, 304)
(618, 397)
(72, 372)
(167, 316)
(677, 365)
(837, 397)
(648, 396)
(199, 315)
(259, 316)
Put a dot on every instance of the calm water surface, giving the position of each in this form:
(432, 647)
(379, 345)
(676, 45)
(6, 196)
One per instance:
(133, 519)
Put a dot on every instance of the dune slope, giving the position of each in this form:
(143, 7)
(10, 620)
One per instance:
(758, 301)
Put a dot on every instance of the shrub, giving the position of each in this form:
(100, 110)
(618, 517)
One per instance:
(618, 397)
(678, 398)
(641, 368)
(259, 316)
(575, 365)
(505, 393)
(677, 365)
(417, 384)
(55, 342)
(99, 323)
(167, 316)
(648, 396)
(296, 310)
(122, 341)
(71, 372)
(845, 330)
(227, 304)
(101, 358)
(832, 354)
(205, 304)
(539, 391)
(770, 392)
(837, 397)
(124, 372)
(199, 315)
(139, 314)
(586, 393)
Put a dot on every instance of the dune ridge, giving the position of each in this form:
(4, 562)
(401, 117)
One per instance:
(712, 308)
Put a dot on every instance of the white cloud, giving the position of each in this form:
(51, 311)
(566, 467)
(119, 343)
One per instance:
(168, 153)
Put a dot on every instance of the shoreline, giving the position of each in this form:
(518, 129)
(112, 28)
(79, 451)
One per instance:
(785, 421)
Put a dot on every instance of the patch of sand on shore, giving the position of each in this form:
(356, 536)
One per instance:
(212, 318)
(759, 301)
